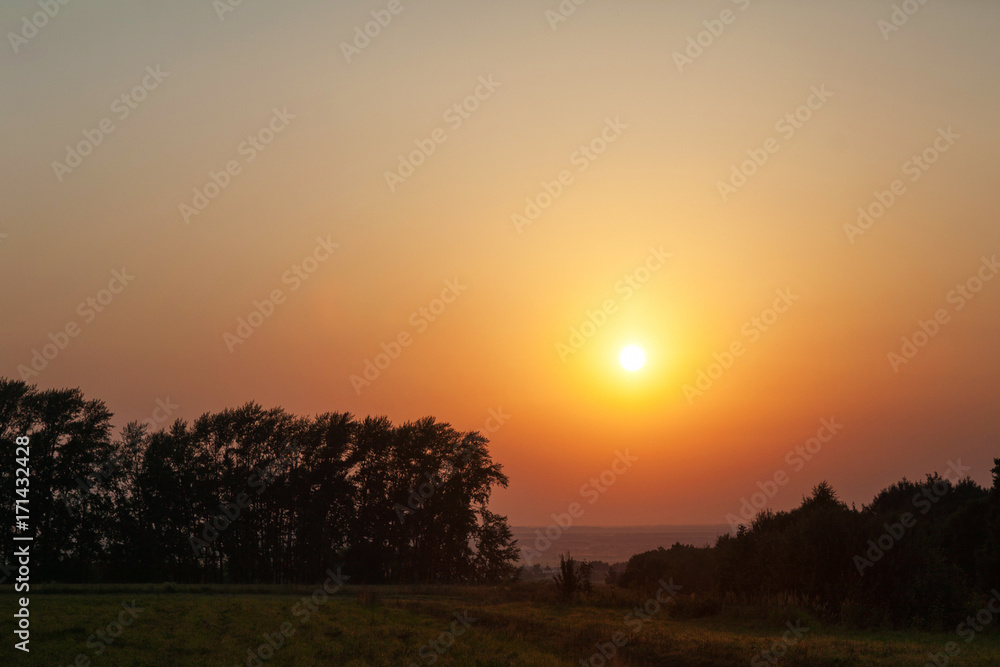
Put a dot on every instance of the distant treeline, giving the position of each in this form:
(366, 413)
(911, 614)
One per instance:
(923, 554)
(248, 496)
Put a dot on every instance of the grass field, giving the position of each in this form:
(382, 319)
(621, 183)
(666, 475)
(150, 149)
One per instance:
(227, 626)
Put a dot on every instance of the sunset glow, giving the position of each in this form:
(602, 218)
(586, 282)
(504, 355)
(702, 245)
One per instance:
(632, 358)
(484, 226)
(649, 332)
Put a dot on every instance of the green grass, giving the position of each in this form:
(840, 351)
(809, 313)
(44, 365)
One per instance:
(215, 626)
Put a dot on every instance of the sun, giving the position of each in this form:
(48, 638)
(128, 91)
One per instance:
(632, 358)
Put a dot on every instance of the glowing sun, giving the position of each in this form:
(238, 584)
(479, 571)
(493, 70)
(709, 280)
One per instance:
(632, 358)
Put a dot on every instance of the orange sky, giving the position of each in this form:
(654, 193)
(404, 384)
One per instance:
(247, 143)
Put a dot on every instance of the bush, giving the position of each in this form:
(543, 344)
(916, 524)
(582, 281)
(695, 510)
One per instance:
(573, 578)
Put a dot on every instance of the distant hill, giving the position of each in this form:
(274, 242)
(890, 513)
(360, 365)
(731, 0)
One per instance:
(613, 543)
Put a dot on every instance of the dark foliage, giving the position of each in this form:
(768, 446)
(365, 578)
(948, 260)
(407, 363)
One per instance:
(573, 578)
(921, 554)
(251, 496)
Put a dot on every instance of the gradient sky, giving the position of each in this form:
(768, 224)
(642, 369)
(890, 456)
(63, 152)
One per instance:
(495, 347)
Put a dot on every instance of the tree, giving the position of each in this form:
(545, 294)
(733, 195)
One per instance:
(251, 495)
(573, 578)
(70, 457)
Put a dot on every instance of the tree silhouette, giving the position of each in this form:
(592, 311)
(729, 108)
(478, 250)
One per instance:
(252, 495)
(573, 578)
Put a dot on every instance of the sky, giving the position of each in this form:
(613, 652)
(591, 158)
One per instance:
(470, 209)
